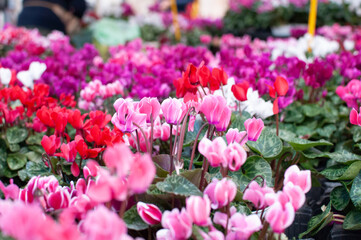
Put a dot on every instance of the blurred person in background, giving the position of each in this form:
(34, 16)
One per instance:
(9, 11)
(48, 15)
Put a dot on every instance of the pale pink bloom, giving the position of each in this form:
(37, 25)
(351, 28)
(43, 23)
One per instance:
(281, 213)
(242, 226)
(44, 184)
(107, 187)
(295, 194)
(149, 106)
(221, 192)
(90, 169)
(213, 151)
(179, 223)
(126, 115)
(224, 121)
(212, 235)
(173, 110)
(102, 224)
(10, 191)
(192, 120)
(164, 234)
(355, 117)
(199, 209)
(256, 194)
(119, 157)
(150, 213)
(162, 132)
(221, 218)
(68, 151)
(214, 108)
(143, 142)
(299, 178)
(141, 173)
(234, 135)
(254, 128)
(235, 156)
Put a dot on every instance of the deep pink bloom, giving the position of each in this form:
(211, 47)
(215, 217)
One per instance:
(162, 132)
(119, 157)
(149, 106)
(150, 213)
(59, 199)
(234, 135)
(254, 128)
(103, 224)
(235, 156)
(10, 191)
(242, 226)
(141, 173)
(299, 178)
(281, 213)
(50, 144)
(173, 110)
(68, 151)
(179, 223)
(221, 192)
(214, 108)
(91, 169)
(256, 194)
(355, 117)
(213, 151)
(199, 209)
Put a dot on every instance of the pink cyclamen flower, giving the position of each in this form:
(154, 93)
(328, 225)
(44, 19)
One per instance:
(224, 121)
(281, 213)
(119, 157)
(68, 151)
(150, 213)
(199, 209)
(213, 151)
(141, 173)
(103, 224)
(221, 192)
(10, 191)
(256, 194)
(235, 156)
(234, 135)
(214, 108)
(173, 110)
(355, 117)
(127, 117)
(254, 128)
(178, 223)
(242, 226)
(299, 178)
(295, 194)
(212, 235)
(149, 106)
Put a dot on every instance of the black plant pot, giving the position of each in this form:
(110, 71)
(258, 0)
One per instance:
(338, 233)
(299, 225)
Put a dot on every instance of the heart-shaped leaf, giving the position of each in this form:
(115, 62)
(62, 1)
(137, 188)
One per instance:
(268, 144)
(340, 198)
(352, 221)
(355, 191)
(16, 135)
(342, 172)
(133, 220)
(16, 161)
(178, 185)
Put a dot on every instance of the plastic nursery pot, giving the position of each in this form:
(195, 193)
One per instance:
(299, 225)
(338, 233)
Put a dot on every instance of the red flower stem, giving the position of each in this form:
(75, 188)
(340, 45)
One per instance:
(123, 207)
(277, 124)
(195, 145)
(136, 140)
(171, 150)
(151, 134)
(182, 134)
(263, 233)
(228, 216)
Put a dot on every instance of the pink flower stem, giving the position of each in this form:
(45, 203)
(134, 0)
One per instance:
(145, 136)
(195, 145)
(123, 207)
(151, 134)
(171, 150)
(136, 140)
(228, 216)
(182, 134)
(246, 135)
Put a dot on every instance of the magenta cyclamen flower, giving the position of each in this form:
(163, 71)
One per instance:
(149, 106)
(215, 108)
(355, 117)
(173, 110)
(199, 209)
(256, 194)
(254, 128)
(178, 225)
(221, 192)
(299, 178)
(149, 213)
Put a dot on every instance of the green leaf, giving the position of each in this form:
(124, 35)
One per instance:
(312, 153)
(194, 175)
(191, 136)
(133, 220)
(34, 156)
(35, 139)
(255, 165)
(326, 131)
(33, 169)
(16, 161)
(318, 222)
(178, 185)
(300, 144)
(268, 144)
(237, 121)
(355, 191)
(356, 133)
(16, 135)
(352, 221)
(312, 110)
(344, 156)
(342, 172)
(14, 147)
(340, 198)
